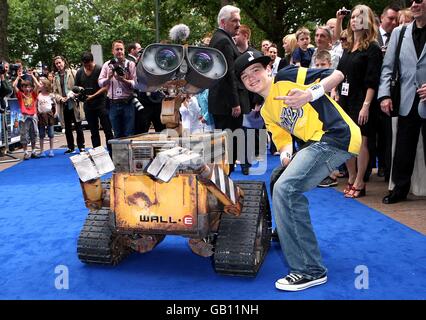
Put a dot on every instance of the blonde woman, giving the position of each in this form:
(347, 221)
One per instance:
(405, 16)
(361, 63)
(289, 45)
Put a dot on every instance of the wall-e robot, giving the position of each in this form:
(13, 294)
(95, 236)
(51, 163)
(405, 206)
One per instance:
(166, 184)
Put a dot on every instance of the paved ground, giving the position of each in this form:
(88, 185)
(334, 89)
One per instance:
(411, 213)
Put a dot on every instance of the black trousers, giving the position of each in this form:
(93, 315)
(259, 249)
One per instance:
(69, 119)
(407, 139)
(384, 143)
(94, 116)
(151, 113)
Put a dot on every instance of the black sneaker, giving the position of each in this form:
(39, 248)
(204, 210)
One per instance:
(69, 151)
(297, 282)
(328, 182)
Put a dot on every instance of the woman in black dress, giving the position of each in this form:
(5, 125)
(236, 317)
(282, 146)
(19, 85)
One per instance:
(361, 64)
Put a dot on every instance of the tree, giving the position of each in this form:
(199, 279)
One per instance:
(4, 13)
(34, 35)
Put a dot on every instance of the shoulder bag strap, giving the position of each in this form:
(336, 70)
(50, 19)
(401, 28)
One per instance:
(395, 72)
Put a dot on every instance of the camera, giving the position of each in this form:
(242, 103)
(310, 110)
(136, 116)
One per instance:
(13, 70)
(344, 11)
(14, 67)
(135, 102)
(117, 67)
(80, 93)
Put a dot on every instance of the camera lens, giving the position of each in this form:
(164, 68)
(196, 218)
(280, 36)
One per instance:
(202, 62)
(167, 59)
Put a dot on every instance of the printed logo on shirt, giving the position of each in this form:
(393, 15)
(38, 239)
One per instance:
(289, 117)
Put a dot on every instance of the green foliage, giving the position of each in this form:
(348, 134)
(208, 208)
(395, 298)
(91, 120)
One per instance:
(33, 37)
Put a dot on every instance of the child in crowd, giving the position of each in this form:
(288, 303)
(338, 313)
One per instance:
(27, 99)
(302, 55)
(46, 114)
(323, 59)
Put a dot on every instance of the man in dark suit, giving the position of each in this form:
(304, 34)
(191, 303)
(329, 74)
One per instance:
(388, 22)
(133, 51)
(224, 98)
(383, 146)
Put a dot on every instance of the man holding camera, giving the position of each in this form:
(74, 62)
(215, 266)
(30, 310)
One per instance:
(94, 98)
(119, 75)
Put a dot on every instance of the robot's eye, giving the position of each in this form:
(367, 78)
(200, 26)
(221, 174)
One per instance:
(202, 61)
(167, 59)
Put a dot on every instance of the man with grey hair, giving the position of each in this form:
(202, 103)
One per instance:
(224, 98)
(324, 40)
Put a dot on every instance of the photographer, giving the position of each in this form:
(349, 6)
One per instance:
(70, 111)
(94, 98)
(5, 87)
(119, 75)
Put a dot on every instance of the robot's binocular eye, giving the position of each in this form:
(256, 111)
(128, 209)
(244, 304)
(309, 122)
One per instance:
(202, 62)
(167, 59)
(200, 67)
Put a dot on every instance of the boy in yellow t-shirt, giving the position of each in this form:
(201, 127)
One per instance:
(296, 104)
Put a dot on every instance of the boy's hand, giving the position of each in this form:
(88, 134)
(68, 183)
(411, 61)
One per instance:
(296, 98)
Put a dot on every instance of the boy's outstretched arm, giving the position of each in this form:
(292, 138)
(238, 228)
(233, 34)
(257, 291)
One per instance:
(297, 98)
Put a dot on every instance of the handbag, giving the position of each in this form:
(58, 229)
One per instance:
(395, 81)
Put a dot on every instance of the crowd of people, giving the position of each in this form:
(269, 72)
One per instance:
(326, 107)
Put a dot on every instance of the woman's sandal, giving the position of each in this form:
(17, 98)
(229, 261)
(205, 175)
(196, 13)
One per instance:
(356, 193)
(348, 188)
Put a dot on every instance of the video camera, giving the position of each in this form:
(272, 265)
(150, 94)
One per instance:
(80, 93)
(117, 67)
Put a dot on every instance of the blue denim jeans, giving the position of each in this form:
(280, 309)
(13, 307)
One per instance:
(297, 238)
(122, 116)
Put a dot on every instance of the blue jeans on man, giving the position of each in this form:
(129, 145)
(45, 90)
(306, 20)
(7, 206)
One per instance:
(122, 116)
(297, 238)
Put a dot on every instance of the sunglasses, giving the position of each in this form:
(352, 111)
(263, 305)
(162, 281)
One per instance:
(416, 1)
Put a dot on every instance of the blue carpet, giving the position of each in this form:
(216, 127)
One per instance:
(42, 212)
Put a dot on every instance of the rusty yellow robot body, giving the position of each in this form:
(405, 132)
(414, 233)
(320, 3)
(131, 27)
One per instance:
(164, 184)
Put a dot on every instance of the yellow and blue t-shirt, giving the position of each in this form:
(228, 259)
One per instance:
(321, 120)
